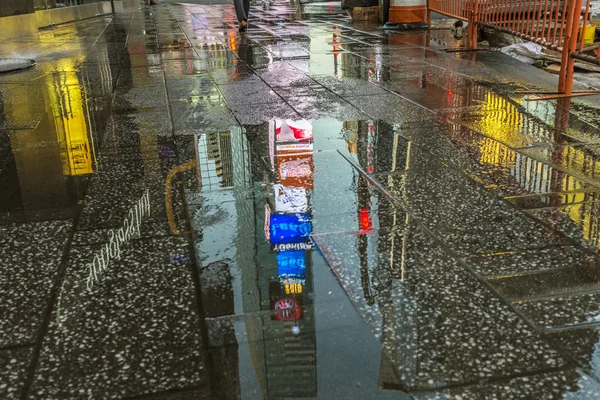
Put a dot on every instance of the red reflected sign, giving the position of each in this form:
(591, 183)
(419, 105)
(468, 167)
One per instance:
(288, 310)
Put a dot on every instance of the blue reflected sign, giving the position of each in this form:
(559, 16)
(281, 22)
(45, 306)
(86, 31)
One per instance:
(290, 228)
(291, 264)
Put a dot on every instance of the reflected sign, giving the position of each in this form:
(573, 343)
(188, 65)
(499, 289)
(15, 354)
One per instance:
(285, 228)
(291, 264)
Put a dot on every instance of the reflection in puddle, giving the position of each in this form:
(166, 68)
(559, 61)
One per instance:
(271, 271)
(307, 280)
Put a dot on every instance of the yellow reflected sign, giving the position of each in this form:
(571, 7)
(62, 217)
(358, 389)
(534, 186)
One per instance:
(70, 118)
(292, 287)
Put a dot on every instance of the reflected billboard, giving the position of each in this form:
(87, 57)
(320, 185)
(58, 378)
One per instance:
(291, 264)
(294, 228)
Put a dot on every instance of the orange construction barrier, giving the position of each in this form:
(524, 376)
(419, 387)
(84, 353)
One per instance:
(408, 11)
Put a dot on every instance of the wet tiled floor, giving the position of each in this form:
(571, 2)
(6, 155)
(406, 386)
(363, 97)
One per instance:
(312, 209)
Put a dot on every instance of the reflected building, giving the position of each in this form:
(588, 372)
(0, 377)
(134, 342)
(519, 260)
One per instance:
(396, 299)
(51, 151)
(281, 343)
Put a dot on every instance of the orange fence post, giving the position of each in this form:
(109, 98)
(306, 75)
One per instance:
(472, 31)
(567, 64)
(429, 14)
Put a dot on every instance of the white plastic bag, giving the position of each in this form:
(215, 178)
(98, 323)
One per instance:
(526, 52)
(290, 199)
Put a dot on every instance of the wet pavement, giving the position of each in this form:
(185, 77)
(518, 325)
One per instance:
(313, 209)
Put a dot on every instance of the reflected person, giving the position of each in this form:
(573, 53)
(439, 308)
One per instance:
(245, 52)
(242, 10)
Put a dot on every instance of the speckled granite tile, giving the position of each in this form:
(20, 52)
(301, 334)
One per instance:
(199, 116)
(390, 108)
(147, 231)
(140, 97)
(559, 199)
(203, 393)
(121, 180)
(464, 215)
(135, 331)
(520, 262)
(347, 87)
(254, 113)
(31, 255)
(14, 364)
(200, 85)
(327, 106)
(244, 94)
(565, 310)
(572, 221)
(283, 74)
(566, 384)
(140, 76)
(493, 164)
(125, 129)
(442, 313)
(579, 276)
(582, 344)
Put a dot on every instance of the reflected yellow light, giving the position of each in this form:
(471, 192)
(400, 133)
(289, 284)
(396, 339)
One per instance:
(501, 120)
(70, 117)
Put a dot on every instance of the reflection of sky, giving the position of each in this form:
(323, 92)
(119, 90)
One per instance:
(348, 354)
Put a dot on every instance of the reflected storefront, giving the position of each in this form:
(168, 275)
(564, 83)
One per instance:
(49, 4)
(50, 148)
(269, 266)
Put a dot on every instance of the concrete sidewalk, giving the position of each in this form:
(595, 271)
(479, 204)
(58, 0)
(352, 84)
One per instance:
(453, 241)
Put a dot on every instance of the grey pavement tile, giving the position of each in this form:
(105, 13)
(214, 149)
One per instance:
(287, 51)
(581, 344)
(140, 97)
(253, 113)
(104, 74)
(493, 164)
(178, 55)
(174, 69)
(24, 105)
(578, 277)
(563, 310)
(148, 230)
(30, 76)
(14, 364)
(238, 73)
(199, 85)
(390, 108)
(327, 106)
(456, 317)
(511, 126)
(201, 116)
(329, 64)
(292, 93)
(142, 60)
(120, 182)
(576, 159)
(469, 219)
(32, 255)
(134, 130)
(527, 261)
(568, 383)
(194, 393)
(131, 333)
(281, 73)
(140, 76)
(317, 65)
(572, 221)
(555, 200)
(349, 87)
(252, 93)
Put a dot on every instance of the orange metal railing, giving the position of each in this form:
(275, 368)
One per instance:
(554, 24)
(458, 9)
